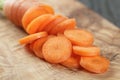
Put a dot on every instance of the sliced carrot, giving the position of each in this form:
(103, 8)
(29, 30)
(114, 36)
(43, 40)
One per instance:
(37, 47)
(39, 23)
(32, 37)
(58, 19)
(86, 51)
(72, 62)
(57, 49)
(96, 64)
(79, 37)
(25, 5)
(61, 27)
(34, 12)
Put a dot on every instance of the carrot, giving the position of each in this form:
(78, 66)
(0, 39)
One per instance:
(96, 64)
(32, 37)
(86, 51)
(59, 34)
(37, 47)
(67, 24)
(79, 37)
(58, 19)
(57, 49)
(39, 20)
(31, 45)
(11, 11)
(15, 11)
(39, 23)
(72, 62)
(25, 5)
(8, 7)
(34, 12)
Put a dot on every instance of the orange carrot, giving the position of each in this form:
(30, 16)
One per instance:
(61, 27)
(15, 12)
(57, 49)
(32, 37)
(72, 62)
(58, 19)
(96, 64)
(35, 12)
(31, 45)
(8, 7)
(86, 51)
(79, 37)
(24, 6)
(37, 47)
(39, 20)
(39, 23)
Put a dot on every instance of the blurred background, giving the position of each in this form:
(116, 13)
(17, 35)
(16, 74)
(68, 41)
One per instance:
(110, 9)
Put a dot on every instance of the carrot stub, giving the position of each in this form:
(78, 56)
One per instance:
(32, 37)
(57, 49)
(96, 64)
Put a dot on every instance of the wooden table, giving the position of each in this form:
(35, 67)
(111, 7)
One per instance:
(17, 63)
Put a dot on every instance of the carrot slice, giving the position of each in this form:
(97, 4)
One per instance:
(57, 49)
(79, 37)
(72, 62)
(86, 51)
(34, 12)
(32, 37)
(96, 64)
(39, 23)
(61, 27)
(25, 5)
(31, 45)
(58, 19)
(37, 47)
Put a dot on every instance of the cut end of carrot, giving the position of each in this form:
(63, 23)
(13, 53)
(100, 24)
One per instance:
(96, 64)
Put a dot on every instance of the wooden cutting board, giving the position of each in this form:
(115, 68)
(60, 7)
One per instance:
(17, 63)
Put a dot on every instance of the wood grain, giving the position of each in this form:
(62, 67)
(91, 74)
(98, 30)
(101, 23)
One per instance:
(17, 63)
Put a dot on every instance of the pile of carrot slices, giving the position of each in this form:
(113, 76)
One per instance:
(55, 38)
